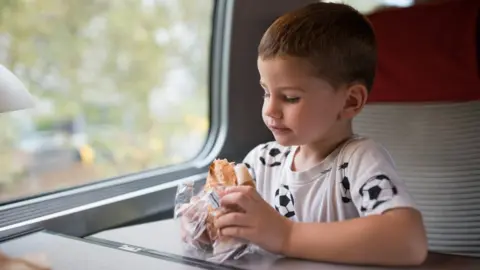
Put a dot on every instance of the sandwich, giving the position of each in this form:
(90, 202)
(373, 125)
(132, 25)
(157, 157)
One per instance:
(223, 174)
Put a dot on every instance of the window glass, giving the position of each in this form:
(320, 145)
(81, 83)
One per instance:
(369, 6)
(121, 86)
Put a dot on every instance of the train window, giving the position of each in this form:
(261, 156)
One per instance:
(121, 87)
(366, 6)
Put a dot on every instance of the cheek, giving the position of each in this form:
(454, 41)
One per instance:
(318, 114)
(263, 110)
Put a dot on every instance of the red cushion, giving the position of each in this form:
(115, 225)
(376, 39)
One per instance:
(427, 53)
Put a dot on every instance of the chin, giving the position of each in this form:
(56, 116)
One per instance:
(285, 141)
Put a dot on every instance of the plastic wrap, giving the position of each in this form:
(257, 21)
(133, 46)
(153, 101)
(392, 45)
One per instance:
(196, 213)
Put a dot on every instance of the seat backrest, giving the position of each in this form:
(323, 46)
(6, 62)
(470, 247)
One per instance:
(430, 122)
(436, 148)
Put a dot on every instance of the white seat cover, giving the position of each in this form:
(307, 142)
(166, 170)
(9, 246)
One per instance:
(436, 148)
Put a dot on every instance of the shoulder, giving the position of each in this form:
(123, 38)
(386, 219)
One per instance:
(373, 181)
(365, 150)
(363, 159)
(269, 154)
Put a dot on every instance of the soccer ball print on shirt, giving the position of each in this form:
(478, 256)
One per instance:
(284, 202)
(275, 156)
(345, 184)
(375, 191)
(251, 171)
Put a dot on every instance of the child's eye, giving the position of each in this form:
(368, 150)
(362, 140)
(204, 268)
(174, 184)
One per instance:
(292, 99)
(266, 95)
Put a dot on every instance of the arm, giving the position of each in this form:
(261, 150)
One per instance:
(389, 231)
(394, 238)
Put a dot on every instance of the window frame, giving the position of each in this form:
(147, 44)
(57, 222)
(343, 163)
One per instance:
(235, 129)
(70, 210)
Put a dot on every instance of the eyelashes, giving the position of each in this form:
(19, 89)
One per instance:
(286, 99)
(292, 99)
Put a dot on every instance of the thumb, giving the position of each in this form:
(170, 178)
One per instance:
(243, 175)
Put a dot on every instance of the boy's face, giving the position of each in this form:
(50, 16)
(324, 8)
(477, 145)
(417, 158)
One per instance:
(299, 108)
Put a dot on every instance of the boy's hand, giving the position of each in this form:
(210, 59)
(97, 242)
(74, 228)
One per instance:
(189, 217)
(258, 223)
(187, 236)
(29, 262)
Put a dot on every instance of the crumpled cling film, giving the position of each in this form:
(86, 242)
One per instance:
(192, 211)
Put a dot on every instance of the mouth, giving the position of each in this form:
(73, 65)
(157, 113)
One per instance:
(277, 129)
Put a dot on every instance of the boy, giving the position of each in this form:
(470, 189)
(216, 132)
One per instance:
(323, 193)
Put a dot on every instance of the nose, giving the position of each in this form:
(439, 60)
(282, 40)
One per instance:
(272, 108)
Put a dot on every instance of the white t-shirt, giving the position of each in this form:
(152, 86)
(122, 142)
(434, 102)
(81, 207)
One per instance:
(357, 179)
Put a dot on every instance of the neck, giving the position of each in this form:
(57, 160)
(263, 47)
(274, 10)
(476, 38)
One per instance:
(311, 154)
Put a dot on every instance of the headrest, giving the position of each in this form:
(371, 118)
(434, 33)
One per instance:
(427, 53)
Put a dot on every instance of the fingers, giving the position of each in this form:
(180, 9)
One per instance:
(193, 211)
(185, 210)
(241, 189)
(232, 200)
(24, 263)
(232, 219)
(237, 232)
(243, 196)
(222, 211)
(243, 176)
(189, 233)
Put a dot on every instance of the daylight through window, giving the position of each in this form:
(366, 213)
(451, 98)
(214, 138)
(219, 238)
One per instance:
(121, 86)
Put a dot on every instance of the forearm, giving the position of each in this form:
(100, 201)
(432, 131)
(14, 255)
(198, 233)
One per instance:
(377, 240)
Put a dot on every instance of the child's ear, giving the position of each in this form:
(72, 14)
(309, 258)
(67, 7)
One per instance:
(355, 98)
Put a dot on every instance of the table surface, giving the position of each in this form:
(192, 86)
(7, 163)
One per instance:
(75, 254)
(164, 236)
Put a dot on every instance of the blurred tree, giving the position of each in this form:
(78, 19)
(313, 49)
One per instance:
(111, 62)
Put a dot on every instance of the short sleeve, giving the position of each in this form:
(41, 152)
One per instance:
(375, 184)
(251, 161)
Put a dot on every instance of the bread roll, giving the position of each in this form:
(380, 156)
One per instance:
(223, 173)
(243, 175)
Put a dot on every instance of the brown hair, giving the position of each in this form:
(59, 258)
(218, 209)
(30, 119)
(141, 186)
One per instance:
(335, 39)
